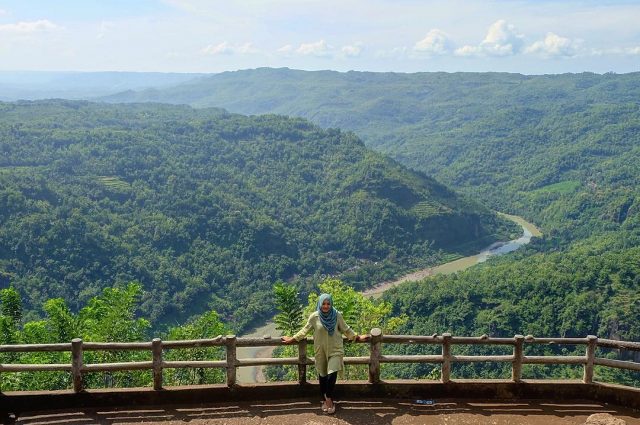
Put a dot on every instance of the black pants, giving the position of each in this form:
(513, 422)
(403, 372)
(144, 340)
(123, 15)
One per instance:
(327, 384)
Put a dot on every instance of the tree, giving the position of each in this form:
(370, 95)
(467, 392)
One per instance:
(10, 315)
(289, 319)
(11, 305)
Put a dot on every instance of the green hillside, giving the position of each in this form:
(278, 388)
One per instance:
(562, 150)
(207, 209)
(593, 288)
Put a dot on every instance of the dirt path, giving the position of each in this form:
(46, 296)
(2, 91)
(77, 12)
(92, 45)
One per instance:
(349, 412)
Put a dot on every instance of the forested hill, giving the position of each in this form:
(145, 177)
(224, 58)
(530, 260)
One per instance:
(208, 209)
(563, 150)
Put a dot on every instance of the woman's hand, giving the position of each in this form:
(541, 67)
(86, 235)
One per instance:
(362, 338)
(288, 339)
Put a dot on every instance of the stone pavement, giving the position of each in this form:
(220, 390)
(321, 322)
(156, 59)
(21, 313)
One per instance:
(351, 412)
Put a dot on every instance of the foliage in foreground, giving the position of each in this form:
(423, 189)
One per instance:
(109, 317)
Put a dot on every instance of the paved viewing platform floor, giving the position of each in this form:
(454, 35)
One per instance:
(353, 412)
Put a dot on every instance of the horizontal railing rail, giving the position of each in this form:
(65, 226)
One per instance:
(445, 359)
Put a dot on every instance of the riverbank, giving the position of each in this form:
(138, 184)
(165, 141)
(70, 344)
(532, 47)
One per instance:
(529, 230)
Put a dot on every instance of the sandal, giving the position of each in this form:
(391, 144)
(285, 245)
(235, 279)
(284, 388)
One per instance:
(324, 406)
(331, 410)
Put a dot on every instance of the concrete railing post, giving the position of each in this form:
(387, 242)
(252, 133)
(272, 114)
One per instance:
(518, 354)
(76, 364)
(374, 359)
(446, 358)
(231, 360)
(302, 361)
(592, 343)
(156, 349)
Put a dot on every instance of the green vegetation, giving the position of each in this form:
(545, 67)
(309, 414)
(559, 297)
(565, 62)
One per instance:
(593, 288)
(112, 316)
(506, 139)
(207, 209)
(560, 188)
(289, 318)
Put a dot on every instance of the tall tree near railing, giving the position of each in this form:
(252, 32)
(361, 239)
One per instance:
(10, 315)
(61, 323)
(289, 319)
(11, 305)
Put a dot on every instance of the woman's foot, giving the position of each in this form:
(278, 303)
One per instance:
(324, 406)
(331, 407)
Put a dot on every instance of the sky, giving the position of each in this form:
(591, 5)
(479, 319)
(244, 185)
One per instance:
(524, 36)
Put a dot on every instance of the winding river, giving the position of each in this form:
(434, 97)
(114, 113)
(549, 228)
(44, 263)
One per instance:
(253, 374)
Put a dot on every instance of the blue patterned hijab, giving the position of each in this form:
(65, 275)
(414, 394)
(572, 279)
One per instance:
(330, 318)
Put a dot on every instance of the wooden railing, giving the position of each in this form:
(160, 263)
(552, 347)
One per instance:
(517, 359)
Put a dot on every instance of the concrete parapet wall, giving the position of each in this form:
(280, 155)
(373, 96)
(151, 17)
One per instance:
(26, 401)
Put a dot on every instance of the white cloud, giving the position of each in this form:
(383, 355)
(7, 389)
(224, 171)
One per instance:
(632, 50)
(617, 51)
(319, 48)
(436, 42)
(554, 46)
(245, 49)
(502, 39)
(225, 48)
(29, 27)
(467, 51)
(219, 49)
(353, 50)
(286, 49)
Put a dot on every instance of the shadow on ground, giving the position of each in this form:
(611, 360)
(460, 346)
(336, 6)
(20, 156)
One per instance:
(353, 412)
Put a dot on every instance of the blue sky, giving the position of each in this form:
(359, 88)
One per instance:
(526, 36)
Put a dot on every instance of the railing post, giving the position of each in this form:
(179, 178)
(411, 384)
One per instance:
(156, 349)
(231, 360)
(374, 360)
(76, 364)
(446, 358)
(302, 361)
(592, 343)
(518, 354)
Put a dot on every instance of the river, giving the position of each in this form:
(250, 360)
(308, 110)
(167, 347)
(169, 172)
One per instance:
(253, 374)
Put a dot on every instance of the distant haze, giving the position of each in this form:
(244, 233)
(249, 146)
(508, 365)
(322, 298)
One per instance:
(31, 85)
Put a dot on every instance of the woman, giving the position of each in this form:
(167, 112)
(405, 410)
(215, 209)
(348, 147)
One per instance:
(328, 326)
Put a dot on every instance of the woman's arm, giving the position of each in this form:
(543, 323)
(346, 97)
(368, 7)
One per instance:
(300, 334)
(349, 333)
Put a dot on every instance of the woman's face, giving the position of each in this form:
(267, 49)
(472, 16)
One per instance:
(326, 306)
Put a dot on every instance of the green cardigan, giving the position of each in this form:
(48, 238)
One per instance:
(328, 349)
